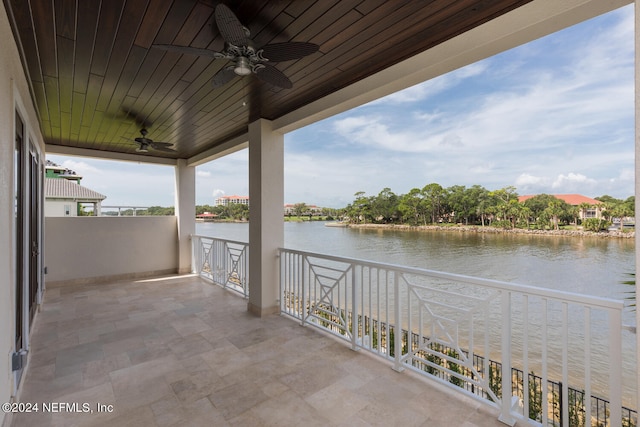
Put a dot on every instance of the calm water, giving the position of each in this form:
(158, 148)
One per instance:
(586, 265)
(592, 266)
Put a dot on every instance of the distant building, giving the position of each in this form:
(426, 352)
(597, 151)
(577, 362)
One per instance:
(594, 211)
(63, 194)
(289, 209)
(206, 216)
(227, 200)
(53, 170)
(63, 197)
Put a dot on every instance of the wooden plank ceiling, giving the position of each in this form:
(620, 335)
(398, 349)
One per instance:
(96, 80)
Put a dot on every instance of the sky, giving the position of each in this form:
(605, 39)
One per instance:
(553, 116)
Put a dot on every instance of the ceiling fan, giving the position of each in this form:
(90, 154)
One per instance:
(239, 49)
(144, 144)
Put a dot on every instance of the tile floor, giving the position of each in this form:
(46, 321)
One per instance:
(178, 351)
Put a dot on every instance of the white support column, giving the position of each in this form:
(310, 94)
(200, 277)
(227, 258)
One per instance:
(266, 223)
(185, 212)
(637, 180)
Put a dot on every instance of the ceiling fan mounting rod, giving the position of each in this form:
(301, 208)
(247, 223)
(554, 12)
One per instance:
(248, 51)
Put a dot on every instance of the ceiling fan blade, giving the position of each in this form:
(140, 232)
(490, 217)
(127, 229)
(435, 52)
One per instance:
(229, 26)
(161, 144)
(272, 75)
(288, 51)
(142, 140)
(223, 76)
(189, 50)
(164, 149)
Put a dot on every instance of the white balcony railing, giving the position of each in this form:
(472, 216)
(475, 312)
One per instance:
(225, 262)
(555, 356)
(476, 335)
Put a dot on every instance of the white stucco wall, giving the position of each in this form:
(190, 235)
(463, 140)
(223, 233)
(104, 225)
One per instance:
(15, 95)
(93, 249)
(57, 208)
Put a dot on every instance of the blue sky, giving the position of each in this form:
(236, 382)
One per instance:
(552, 116)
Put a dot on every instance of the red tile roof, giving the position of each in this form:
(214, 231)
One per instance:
(572, 199)
(206, 215)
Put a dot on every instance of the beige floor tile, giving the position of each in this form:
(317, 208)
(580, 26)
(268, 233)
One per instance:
(140, 417)
(237, 398)
(181, 352)
(337, 402)
(189, 325)
(286, 409)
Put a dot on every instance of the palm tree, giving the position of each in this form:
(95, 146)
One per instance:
(584, 208)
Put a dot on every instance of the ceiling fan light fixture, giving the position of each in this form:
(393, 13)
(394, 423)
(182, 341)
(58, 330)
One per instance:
(142, 148)
(242, 67)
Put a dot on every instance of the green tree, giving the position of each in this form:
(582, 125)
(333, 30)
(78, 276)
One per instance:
(411, 207)
(584, 208)
(158, 211)
(299, 209)
(524, 215)
(506, 204)
(539, 203)
(360, 207)
(483, 198)
(621, 211)
(554, 211)
(384, 206)
(433, 195)
(595, 224)
(461, 202)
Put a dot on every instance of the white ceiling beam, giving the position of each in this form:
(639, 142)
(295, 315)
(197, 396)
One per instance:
(108, 155)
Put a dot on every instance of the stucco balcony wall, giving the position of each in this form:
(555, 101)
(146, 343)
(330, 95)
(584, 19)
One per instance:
(93, 249)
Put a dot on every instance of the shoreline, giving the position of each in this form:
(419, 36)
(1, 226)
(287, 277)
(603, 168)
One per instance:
(494, 230)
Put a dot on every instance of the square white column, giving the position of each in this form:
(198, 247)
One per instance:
(185, 212)
(266, 218)
(637, 179)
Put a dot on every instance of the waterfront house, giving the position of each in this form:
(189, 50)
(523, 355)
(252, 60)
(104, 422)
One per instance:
(592, 207)
(86, 78)
(63, 197)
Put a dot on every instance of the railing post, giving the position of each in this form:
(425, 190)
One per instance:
(397, 333)
(615, 367)
(303, 314)
(564, 419)
(505, 351)
(194, 244)
(354, 310)
(199, 255)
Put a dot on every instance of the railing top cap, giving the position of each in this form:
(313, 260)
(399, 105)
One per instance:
(590, 300)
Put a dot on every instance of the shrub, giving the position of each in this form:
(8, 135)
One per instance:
(502, 224)
(595, 224)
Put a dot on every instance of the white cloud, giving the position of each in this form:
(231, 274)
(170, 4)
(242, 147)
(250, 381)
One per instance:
(217, 193)
(432, 87)
(627, 175)
(573, 181)
(81, 167)
(526, 180)
(203, 174)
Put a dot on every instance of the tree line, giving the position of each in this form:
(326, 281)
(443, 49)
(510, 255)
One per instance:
(475, 205)
(434, 204)
(231, 211)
